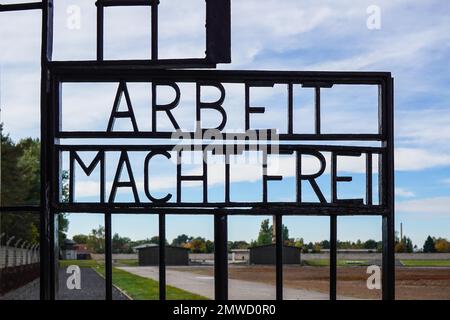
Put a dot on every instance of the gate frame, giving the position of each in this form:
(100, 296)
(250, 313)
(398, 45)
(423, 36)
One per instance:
(48, 209)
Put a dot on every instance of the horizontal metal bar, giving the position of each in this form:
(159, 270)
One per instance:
(168, 135)
(232, 208)
(125, 3)
(133, 64)
(28, 208)
(127, 71)
(283, 148)
(20, 6)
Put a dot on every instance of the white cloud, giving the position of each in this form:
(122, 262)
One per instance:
(271, 30)
(404, 192)
(429, 127)
(414, 159)
(438, 206)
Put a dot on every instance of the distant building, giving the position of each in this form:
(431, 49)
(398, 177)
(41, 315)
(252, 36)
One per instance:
(83, 253)
(68, 250)
(175, 256)
(73, 251)
(239, 255)
(266, 255)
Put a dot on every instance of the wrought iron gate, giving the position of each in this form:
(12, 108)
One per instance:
(159, 72)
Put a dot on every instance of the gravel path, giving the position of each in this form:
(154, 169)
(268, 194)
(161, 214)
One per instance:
(29, 291)
(92, 288)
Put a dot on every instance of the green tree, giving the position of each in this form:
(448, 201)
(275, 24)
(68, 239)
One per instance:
(442, 245)
(209, 246)
(405, 245)
(198, 245)
(63, 221)
(96, 240)
(121, 244)
(180, 240)
(429, 245)
(265, 233)
(20, 169)
(80, 238)
(325, 244)
(238, 245)
(370, 244)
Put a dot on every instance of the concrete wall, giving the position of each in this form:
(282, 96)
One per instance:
(200, 257)
(266, 255)
(174, 256)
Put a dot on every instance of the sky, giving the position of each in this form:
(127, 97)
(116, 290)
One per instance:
(412, 42)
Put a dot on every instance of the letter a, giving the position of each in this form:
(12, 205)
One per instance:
(115, 113)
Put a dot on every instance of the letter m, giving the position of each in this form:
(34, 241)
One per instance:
(88, 169)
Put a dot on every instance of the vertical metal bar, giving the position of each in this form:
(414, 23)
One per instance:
(290, 108)
(71, 176)
(317, 110)
(218, 31)
(162, 256)
(56, 182)
(333, 256)
(154, 23)
(298, 173)
(205, 177)
(387, 189)
(46, 218)
(100, 30)
(179, 176)
(369, 179)
(108, 256)
(220, 257)
(227, 178)
(54, 256)
(102, 178)
(247, 106)
(279, 256)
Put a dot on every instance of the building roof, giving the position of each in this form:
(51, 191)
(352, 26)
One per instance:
(154, 245)
(145, 245)
(273, 245)
(240, 250)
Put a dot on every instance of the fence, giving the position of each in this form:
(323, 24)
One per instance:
(17, 256)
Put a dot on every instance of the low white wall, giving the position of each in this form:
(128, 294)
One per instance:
(374, 256)
(17, 256)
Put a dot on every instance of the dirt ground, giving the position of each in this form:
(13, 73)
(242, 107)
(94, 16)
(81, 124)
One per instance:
(411, 282)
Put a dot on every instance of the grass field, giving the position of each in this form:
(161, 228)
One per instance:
(80, 263)
(138, 288)
(426, 263)
(127, 262)
(340, 263)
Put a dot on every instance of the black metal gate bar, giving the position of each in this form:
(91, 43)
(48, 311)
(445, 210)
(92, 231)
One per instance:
(279, 243)
(47, 282)
(387, 193)
(108, 256)
(54, 256)
(218, 43)
(154, 29)
(101, 4)
(162, 256)
(100, 30)
(21, 6)
(220, 256)
(333, 257)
